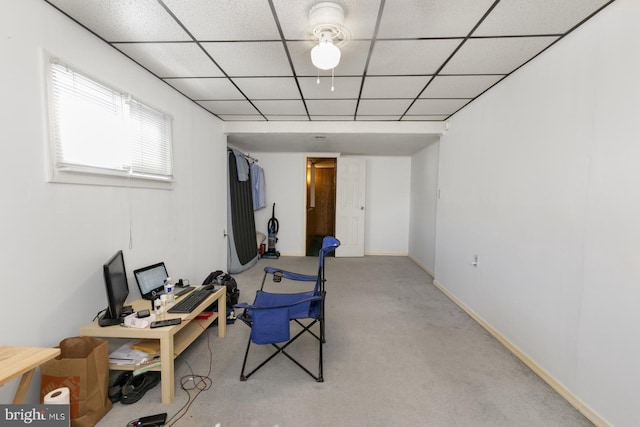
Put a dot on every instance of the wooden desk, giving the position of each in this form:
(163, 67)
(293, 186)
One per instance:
(15, 361)
(173, 339)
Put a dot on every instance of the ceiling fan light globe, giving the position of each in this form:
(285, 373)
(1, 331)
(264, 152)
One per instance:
(325, 55)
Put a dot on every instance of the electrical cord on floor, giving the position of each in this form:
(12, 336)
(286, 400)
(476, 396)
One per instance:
(200, 383)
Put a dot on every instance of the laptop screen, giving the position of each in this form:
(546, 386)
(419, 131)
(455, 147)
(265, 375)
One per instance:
(151, 279)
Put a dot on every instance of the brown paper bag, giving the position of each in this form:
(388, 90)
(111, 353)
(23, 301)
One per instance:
(83, 366)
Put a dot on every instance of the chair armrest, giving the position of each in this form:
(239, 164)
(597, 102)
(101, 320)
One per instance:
(267, 307)
(291, 275)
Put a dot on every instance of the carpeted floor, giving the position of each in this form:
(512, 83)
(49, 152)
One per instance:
(398, 353)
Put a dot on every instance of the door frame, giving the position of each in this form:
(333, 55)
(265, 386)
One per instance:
(308, 156)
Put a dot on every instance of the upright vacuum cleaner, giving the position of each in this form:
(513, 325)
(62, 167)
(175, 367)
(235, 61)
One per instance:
(272, 226)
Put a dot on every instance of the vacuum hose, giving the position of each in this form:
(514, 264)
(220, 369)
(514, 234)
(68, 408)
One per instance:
(273, 226)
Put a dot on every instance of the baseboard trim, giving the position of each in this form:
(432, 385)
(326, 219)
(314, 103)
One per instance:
(585, 410)
(422, 266)
(384, 254)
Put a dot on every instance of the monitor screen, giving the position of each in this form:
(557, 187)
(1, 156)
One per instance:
(115, 279)
(151, 279)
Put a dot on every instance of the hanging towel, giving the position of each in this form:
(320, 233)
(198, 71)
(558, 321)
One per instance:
(242, 166)
(257, 181)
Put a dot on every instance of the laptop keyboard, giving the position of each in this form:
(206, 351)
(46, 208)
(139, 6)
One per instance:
(191, 301)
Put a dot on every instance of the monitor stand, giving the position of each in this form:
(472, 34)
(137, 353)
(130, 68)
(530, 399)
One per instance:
(107, 321)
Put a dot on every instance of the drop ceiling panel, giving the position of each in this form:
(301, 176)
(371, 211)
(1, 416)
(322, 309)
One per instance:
(206, 88)
(344, 87)
(495, 56)
(289, 107)
(378, 118)
(423, 118)
(171, 59)
(250, 58)
(441, 107)
(124, 20)
(536, 17)
(459, 86)
(431, 18)
(383, 106)
(241, 118)
(332, 107)
(360, 17)
(330, 118)
(268, 87)
(287, 118)
(394, 87)
(402, 57)
(435, 56)
(229, 107)
(226, 19)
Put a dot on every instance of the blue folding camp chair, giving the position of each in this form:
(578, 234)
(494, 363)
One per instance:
(271, 314)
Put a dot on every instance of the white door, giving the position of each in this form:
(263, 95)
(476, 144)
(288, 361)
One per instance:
(350, 197)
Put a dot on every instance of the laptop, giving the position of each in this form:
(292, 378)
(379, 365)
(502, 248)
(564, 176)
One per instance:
(151, 279)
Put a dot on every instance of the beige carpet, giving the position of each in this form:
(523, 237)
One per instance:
(398, 353)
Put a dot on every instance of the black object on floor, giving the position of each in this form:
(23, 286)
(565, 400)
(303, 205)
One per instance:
(150, 421)
(115, 391)
(138, 386)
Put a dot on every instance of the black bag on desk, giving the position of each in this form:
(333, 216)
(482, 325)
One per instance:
(220, 278)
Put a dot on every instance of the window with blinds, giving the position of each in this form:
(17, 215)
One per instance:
(96, 130)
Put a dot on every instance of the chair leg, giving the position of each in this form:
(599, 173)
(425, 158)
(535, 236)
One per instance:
(306, 328)
(322, 337)
(264, 279)
(244, 362)
(321, 341)
(282, 349)
(264, 362)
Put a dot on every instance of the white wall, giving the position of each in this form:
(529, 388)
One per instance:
(539, 178)
(424, 192)
(387, 194)
(55, 237)
(285, 178)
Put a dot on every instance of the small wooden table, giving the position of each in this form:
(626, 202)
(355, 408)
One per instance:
(15, 361)
(173, 339)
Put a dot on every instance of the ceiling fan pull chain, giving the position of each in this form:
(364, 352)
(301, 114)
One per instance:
(332, 88)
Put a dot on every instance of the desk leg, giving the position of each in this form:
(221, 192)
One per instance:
(166, 368)
(222, 315)
(23, 387)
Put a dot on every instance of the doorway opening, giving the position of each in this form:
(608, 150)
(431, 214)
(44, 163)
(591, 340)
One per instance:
(321, 202)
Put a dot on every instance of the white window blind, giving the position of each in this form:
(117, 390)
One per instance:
(98, 130)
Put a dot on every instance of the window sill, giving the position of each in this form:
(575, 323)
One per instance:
(84, 178)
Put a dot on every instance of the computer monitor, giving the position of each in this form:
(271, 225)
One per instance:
(115, 280)
(151, 280)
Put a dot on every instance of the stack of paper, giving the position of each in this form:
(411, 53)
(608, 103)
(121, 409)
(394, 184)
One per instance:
(136, 353)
